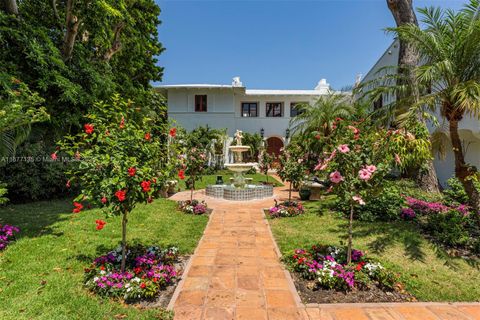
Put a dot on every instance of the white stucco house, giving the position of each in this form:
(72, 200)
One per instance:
(469, 128)
(235, 107)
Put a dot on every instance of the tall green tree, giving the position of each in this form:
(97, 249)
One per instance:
(75, 52)
(448, 80)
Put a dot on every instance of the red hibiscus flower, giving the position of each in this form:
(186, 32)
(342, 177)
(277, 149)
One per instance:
(143, 285)
(173, 132)
(100, 224)
(181, 174)
(145, 186)
(78, 207)
(148, 136)
(104, 200)
(131, 171)
(121, 195)
(54, 156)
(122, 123)
(88, 128)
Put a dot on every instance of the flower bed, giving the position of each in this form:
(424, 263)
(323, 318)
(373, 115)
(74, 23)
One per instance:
(454, 227)
(7, 235)
(148, 272)
(286, 209)
(323, 276)
(193, 206)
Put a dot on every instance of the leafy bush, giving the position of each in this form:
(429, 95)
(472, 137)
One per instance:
(3, 192)
(455, 193)
(36, 176)
(448, 228)
(148, 271)
(382, 206)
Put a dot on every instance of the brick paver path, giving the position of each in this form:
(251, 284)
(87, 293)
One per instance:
(235, 273)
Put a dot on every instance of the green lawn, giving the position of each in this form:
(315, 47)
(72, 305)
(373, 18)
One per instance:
(399, 245)
(41, 273)
(210, 179)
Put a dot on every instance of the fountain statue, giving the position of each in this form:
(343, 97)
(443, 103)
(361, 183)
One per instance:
(238, 166)
(239, 190)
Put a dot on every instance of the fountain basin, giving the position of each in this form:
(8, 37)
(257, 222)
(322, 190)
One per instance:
(239, 148)
(239, 167)
(250, 192)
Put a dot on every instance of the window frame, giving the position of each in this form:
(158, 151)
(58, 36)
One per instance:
(292, 107)
(273, 111)
(202, 104)
(249, 104)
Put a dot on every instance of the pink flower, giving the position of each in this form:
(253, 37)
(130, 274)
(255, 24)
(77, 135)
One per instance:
(364, 174)
(371, 168)
(343, 148)
(54, 156)
(358, 199)
(321, 166)
(336, 177)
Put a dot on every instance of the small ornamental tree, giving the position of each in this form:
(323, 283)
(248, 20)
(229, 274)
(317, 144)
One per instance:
(193, 163)
(122, 160)
(265, 162)
(357, 163)
(292, 169)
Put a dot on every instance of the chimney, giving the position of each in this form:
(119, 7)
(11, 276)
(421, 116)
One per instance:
(323, 86)
(236, 82)
(358, 79)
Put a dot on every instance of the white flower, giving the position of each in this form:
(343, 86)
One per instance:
(136, 279)
(129, 289)
(102, 272)
(95, 279)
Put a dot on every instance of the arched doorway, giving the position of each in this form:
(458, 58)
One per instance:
(274, 144)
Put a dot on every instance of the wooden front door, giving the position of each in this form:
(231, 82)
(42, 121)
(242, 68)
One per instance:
(274, 145)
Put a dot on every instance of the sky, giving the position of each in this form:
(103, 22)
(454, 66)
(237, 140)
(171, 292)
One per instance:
(275, 44)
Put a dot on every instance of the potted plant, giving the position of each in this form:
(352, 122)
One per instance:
(304, 191)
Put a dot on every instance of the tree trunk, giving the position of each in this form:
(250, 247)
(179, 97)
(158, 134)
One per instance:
(403, 13)
(290, 192)
(462, 171)
(192, 187)
(10, 7)
(124, 241)
(350, 235)
(71, 25)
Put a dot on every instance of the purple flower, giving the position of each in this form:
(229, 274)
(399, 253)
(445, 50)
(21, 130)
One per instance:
(408, 213)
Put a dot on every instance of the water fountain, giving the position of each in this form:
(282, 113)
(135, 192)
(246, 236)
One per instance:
(239, 190)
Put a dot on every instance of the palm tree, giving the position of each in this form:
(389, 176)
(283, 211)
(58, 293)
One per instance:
(448, 78)
(320, 116)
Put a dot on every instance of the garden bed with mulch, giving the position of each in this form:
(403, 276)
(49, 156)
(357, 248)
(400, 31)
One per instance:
(310, 294)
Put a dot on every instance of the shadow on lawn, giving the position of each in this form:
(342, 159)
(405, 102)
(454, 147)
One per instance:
(387, 234)
(36, 219)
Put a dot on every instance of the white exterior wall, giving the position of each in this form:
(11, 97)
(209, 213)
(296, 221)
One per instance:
(224, 109)
(469, 128)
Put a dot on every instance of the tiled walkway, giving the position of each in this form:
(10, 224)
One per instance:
(235, 273)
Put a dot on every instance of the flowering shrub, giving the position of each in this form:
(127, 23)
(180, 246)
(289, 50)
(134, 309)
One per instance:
(148, 271)
(7, 235)
(122, 159)
(359, 159)
(193, 206)
(424, 207)
(407, 213)
(328, 267)
(286, 209)
(193, 164)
